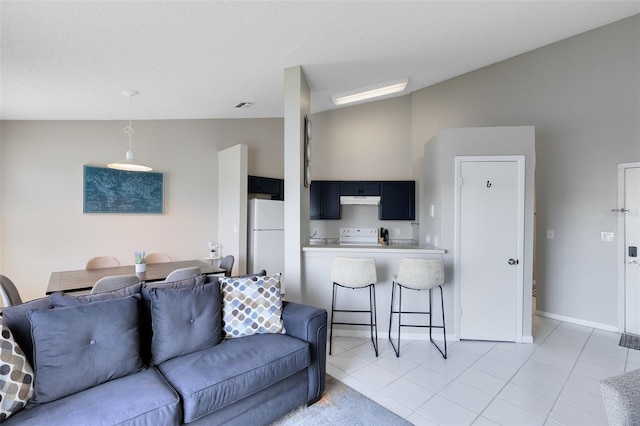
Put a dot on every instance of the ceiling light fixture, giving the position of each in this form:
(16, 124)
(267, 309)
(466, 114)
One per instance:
(130, 163)
(368, 92)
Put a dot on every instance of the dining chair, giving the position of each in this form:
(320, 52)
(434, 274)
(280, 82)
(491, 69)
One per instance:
(115, 282)
(9, 292)
(227, 265)
(183, 274)
(102, 262)
(158, 258)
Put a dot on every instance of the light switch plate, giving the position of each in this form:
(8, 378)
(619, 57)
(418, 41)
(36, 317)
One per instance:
(607, 237)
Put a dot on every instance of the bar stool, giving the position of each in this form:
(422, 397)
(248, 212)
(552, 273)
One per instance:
(418, 274)
(355, 273)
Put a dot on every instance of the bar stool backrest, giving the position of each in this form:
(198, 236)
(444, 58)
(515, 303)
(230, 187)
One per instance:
(354, 272)
(421, 274)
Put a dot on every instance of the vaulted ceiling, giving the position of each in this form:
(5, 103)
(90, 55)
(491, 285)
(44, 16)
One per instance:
(71, 60)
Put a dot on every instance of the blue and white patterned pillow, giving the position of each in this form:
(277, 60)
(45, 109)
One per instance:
(251, 305)
(16, 375)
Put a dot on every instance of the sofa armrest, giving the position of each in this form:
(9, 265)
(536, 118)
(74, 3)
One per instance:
(621, 397)
(309, 323)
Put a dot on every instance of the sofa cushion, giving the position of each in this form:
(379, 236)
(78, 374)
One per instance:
(16, 375)
(82, 346)
(145, 311)
(184, 320)
(15, 317)
(144, 398)
(60, 299)
(213, 378)
(251, 306)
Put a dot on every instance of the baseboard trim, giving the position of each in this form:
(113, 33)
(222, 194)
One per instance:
(578, 321)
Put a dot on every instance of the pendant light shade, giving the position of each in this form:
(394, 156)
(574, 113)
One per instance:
(129, 163)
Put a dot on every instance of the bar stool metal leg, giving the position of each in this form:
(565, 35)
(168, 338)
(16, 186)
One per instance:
(373, 317)
(431, 326)
(333, 305)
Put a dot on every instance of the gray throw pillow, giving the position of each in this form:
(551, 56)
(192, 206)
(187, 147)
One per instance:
(78, 347)
(184, 320)
(60, 299)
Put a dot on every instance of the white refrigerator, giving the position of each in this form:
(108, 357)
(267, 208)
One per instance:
(266, 237)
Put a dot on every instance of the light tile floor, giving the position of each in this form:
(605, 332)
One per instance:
(553, 381)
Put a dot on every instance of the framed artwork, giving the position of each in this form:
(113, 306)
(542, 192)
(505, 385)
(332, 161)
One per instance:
(118, 191)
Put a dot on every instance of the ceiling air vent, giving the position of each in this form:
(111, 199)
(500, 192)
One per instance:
(244, 105)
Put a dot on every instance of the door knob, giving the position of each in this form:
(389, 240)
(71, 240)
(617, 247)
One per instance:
(513, 261)
(633, 262)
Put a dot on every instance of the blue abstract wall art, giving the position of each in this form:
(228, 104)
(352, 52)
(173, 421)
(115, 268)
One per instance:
(118, 191)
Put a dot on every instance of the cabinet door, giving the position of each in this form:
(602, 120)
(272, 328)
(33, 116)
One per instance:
(357, 187)
(265, 185)
(324, 198)
(397, 200)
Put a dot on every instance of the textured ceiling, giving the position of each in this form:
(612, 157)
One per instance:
(71, 60)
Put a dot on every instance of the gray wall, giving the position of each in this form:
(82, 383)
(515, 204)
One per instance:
(438, 189)
(582, 95)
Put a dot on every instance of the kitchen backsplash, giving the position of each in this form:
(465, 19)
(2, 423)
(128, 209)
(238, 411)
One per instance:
(359, 216)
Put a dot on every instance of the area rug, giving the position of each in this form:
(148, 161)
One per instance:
(341, 405)
(630, 341)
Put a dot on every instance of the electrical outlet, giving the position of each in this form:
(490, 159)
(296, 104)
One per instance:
(551, 234)
(428, 239)
(397, 231)
(607, 237)
(435, 241)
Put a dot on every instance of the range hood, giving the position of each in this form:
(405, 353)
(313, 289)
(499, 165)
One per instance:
(368, 200)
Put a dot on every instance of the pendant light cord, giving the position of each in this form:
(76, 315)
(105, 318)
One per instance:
(129, 130)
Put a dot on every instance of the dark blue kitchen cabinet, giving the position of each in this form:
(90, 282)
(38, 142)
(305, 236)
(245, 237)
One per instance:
(397, 200)
(324, 199)
(267, 186)
(358, 187)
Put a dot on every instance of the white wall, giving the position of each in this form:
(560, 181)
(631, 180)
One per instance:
(364, 142)
(296, 195)
(43, 228)
(583, 97)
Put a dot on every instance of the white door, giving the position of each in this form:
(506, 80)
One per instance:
(490, 213)
(631, 212)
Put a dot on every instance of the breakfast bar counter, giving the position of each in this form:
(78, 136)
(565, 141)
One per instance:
(406, 249)
(316, 285)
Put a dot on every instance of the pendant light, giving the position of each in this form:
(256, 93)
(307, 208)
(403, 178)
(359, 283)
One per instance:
(130, 163)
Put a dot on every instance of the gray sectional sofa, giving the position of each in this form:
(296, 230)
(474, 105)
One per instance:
(150, 355)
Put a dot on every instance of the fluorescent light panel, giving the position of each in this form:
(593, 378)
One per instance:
(369, 92)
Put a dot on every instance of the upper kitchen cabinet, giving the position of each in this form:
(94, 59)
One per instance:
(264, 185)
(359, 188)
(397, 200)
(324, 199)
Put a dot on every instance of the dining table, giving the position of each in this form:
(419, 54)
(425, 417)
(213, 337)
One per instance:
(84, 279)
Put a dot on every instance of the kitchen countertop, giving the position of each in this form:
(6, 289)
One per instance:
(400, 248)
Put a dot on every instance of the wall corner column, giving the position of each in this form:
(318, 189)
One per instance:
(296, 195)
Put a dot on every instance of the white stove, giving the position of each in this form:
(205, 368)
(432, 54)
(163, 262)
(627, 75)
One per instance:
(359, 237)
